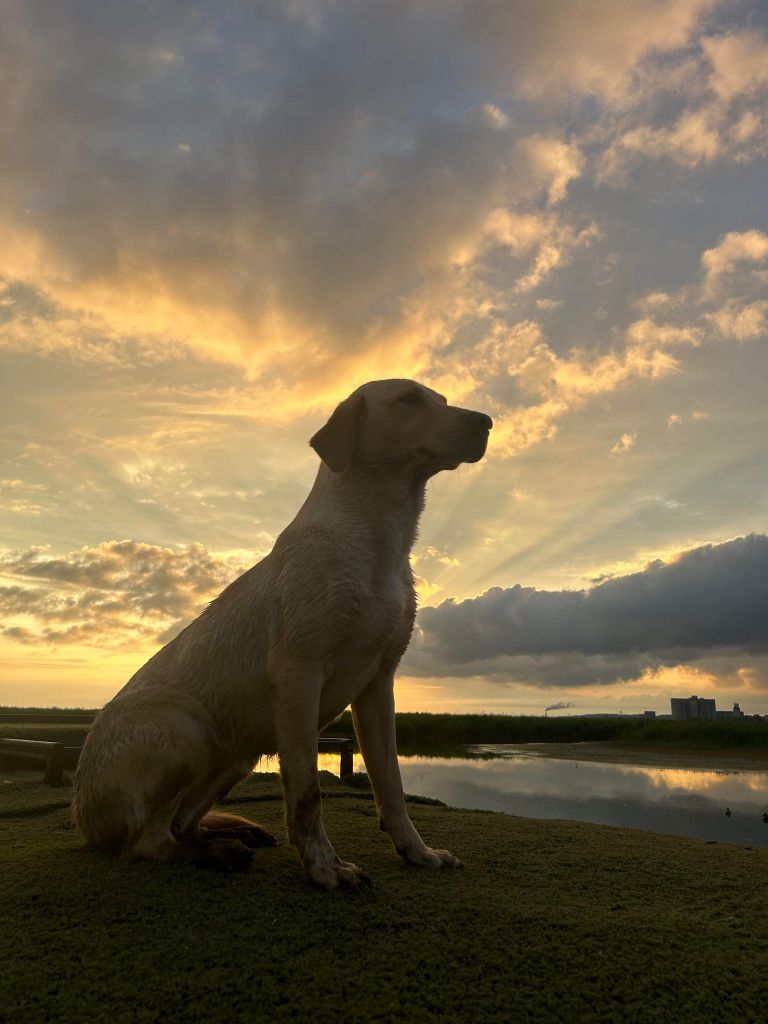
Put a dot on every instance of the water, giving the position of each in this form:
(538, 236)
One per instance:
(684, 802)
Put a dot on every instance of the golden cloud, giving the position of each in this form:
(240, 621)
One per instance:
(567, 382)
(117, 594)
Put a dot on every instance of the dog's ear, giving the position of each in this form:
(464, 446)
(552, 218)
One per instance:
(335, 442)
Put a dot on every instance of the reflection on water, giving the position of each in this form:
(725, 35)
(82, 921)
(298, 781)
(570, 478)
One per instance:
(677, 801)
(325, 762)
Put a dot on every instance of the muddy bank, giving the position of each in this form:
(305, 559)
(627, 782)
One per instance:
(610, 753)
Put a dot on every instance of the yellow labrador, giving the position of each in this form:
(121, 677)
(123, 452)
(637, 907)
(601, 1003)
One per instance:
(319, 624)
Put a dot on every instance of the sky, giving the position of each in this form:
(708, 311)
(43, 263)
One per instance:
(219, 219)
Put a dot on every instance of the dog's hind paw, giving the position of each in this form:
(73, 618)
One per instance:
(224, 855)
(255, 836)
(252, 836)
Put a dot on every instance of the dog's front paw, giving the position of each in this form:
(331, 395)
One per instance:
(338, 874)
(426, 857)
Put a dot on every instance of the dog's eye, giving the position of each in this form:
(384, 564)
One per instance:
(411, 398)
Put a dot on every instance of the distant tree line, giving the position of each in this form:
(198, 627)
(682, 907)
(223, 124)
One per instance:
(423, 732)
(418, 731)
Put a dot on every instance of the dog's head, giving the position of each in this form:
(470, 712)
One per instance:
(400, 428)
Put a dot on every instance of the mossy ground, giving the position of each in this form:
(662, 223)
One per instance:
(549, 921)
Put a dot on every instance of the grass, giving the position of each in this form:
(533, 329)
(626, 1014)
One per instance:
(549, 921)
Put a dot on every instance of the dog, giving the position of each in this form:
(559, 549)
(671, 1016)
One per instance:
(320, 623)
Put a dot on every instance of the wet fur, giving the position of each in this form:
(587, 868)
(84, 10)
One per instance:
(319, 624)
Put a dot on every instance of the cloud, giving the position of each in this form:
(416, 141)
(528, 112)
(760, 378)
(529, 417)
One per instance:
(23, 498)
(544, 241)
(625, 444)
(692, 108)
(216, 220)
(555, 161)
(543, 48)
(725, 303)
(707, 602)
(691, 140)
(292, 200)
(739, 63)
(740, 322)
(730, 296)
(568, 382)
(114, 594)
(337, 195)
(433, 555)
(736, 250)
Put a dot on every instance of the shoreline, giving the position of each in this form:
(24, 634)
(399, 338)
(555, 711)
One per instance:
(654, 757)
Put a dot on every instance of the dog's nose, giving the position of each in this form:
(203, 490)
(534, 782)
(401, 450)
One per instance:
(479, 419)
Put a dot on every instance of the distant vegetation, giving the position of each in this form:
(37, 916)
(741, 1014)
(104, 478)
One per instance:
(421, 732)
(16, 710)
(56, 727)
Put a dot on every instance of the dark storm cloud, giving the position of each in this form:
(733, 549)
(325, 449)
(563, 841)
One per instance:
(287, 168)
(709, 599)
(286, 160)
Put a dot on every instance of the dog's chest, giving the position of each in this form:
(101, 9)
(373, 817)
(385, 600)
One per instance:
(380, 627)
(374, 641)
(383, 618)
(386, 609)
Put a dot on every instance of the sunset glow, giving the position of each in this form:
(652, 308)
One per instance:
(218, 220)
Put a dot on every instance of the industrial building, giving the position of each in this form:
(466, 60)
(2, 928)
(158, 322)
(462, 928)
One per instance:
(686, 708)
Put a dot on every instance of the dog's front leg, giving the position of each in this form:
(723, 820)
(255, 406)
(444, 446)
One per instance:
(374, 716)
(295, 692)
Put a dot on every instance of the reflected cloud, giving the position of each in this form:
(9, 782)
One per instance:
(688, 803)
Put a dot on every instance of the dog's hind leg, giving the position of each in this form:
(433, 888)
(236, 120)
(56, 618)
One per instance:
(219, 853)
(196, 820)
(222, 825)
(170, 832)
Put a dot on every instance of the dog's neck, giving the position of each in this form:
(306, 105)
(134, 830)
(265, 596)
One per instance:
(385, 513)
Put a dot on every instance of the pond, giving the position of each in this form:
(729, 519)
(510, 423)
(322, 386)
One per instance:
(685, 802)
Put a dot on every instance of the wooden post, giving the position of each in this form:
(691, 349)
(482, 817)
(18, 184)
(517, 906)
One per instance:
(54, 765)
(342, 745)
(51, 755)
(346, 762)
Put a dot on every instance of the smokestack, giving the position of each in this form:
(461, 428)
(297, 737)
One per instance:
(558, 707)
